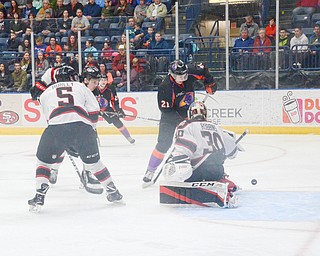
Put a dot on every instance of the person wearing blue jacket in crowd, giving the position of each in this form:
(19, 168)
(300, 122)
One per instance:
(91, 10)
(241, 51)
(160, 53)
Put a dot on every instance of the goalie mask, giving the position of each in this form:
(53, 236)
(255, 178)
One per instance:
(197, 110)
(179, 71)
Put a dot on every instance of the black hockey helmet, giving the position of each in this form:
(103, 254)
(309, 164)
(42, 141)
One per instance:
(91, 72)
(178, 70)
(197, 110)
(66, 74)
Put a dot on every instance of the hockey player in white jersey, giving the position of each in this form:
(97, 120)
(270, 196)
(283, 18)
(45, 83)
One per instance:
(71, 111)
(200, 150)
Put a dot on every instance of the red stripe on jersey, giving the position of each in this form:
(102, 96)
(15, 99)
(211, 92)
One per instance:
(187, 144)
(173, 194)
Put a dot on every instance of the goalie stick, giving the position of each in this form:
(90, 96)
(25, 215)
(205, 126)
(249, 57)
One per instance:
(83, 182)
(246, 131)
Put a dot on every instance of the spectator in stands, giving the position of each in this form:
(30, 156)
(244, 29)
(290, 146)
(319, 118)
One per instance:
(136, 65)
(107, 10)
(149, 37)
(58, 9)
(25, 46)
(72, 43)
(13, 9)
(299, 46)
(271, 29)
(122, 41)
(283, 38)
(159, 57)
(17, 26)
(6, 80)
(91, 61)
(30, 22)
(241, 52)
(91, 10)
(4, 10)
(140, 12)
(40, 46)
(80, 23)
(52, 49)
(138, 36)
(29, 8)
(59, 61)
(314, 41)
(4, 26)
(106, 74)
(13, 42)
(37, 4)
(91, 49)
(73, 8)
(75, 62)
(157, 11)
(42, 64)
(64, 25)
(261, 51)
(42, 12)
(251, 26)
(134, 80)
(19, 78)
(120, 60)
(123, 9)
(26, 66)
(48, 26)
(305, 7)
(107, 51)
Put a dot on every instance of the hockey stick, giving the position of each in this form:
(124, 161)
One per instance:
(246, 131)
(138, 117)
(88, 189)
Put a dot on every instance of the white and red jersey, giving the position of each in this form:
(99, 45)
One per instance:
(198, 139)
(68, 102)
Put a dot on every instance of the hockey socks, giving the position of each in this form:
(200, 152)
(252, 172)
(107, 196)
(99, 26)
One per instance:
(155, 160)
(126, 134)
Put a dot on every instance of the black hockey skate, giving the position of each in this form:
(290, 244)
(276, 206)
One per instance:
(38, 200)
(113, 194)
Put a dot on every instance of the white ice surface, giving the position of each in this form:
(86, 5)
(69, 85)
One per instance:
(280, 216)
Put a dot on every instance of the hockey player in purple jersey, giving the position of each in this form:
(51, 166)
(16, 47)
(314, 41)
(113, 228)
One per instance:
(200, 149)
(71, 111)
(175, 94)
(110, 109)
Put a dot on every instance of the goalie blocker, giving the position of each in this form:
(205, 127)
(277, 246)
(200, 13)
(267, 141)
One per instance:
(204, 193)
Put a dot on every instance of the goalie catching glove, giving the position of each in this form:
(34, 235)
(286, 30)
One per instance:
(177, 168)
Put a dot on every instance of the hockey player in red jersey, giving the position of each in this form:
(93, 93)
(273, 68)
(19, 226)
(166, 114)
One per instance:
(71, 111)
(200, 149)
(109, 107)
(175, 94)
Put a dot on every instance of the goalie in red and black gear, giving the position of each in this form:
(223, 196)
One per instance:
(109, 107)
(175, 95)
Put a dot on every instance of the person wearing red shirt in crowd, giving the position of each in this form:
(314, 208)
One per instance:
(261, 53)
(271, 29)
(120, 60)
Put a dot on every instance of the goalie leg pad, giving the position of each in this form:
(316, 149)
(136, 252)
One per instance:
(208, 193)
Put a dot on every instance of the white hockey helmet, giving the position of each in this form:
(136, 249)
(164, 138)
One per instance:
(197, 110)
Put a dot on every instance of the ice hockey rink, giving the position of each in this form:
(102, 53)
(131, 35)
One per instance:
(280, 216)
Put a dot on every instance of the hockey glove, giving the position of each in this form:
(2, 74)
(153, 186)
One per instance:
(37, 90)
(121, 113)
(211, 88)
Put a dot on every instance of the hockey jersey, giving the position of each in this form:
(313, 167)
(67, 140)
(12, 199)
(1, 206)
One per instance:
(198, 139)
(67, 102)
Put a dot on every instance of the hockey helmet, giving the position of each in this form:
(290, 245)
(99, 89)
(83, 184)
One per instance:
(91, 72)
(178, 70)
(65, 74)
(197, 110)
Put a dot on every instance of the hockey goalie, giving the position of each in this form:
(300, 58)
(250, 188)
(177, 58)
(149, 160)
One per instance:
(194, 172)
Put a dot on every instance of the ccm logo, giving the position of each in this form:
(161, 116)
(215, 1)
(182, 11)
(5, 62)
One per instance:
(8, 117)
(202, 184)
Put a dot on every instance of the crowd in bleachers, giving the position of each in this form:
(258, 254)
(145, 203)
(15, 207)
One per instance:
(102, 25)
